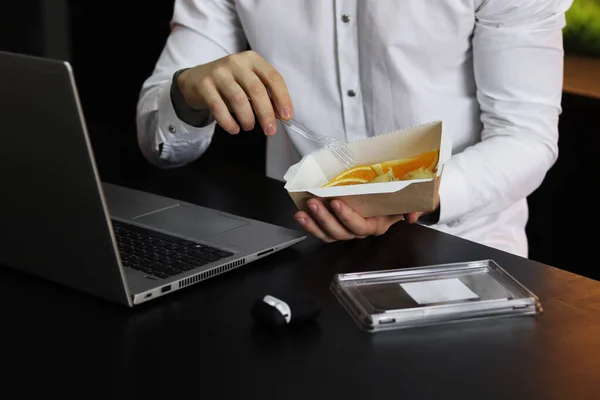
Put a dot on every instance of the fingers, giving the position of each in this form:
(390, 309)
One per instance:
(242, 84)
(207, 88)
(239, 104)
(343, 223)
(412, 218)
(261, 102)
(311, 227)
(273, 80)
(328, 223)
(360, 226)
(256, 77)
(353, 222)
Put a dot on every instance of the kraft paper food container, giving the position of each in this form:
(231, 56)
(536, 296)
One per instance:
(305, 179)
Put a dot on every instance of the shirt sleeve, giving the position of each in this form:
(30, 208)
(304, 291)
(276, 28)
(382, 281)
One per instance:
(201, 31)
(518, 67)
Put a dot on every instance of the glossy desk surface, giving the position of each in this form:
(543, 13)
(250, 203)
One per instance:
(202, 343)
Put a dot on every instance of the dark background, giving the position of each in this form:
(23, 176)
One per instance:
(113, 47)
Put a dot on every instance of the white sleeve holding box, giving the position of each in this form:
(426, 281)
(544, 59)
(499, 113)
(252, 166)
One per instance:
(518, 52)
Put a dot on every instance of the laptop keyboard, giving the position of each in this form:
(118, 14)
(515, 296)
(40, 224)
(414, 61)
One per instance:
(160, 255)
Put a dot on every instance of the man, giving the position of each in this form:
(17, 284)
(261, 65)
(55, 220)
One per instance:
(491, 70)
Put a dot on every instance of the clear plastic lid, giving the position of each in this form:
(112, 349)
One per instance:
(402, 298)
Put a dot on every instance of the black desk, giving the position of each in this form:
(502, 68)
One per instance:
(201, 342)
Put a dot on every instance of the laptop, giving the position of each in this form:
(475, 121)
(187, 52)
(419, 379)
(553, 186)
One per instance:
(59, 221)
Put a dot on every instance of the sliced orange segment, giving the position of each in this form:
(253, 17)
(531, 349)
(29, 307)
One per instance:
(421, 166)
(426, 160)
(361, 172)
(346, 182)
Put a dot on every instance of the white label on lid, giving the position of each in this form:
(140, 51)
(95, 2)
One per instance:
(438, 291)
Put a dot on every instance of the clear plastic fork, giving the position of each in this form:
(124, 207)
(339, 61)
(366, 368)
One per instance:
(339, 149)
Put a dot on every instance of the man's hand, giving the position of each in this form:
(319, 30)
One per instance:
(340, 222)
(238, 83)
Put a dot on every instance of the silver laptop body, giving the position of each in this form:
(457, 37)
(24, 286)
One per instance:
(61, 223)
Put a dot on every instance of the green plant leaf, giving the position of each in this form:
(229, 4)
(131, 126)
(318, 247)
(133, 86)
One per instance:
(582, 32)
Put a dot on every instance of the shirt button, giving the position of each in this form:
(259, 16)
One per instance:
(172, 129)
(454, 224)
(351, 93)
(346, 18)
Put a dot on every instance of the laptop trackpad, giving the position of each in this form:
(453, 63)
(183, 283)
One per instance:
(190, 221)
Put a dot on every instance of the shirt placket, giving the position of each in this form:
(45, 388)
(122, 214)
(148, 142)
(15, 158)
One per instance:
(348, 69)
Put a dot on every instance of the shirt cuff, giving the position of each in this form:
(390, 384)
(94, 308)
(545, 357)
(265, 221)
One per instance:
(172, 131)
(196, 118)
(431, 218)
(454, 195)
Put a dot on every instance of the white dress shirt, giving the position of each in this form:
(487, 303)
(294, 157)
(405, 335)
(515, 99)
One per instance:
(491, 70)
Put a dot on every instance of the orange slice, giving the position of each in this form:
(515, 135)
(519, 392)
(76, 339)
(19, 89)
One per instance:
(421, 166)
(361, 172)
(346, 182)
(427, 160)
